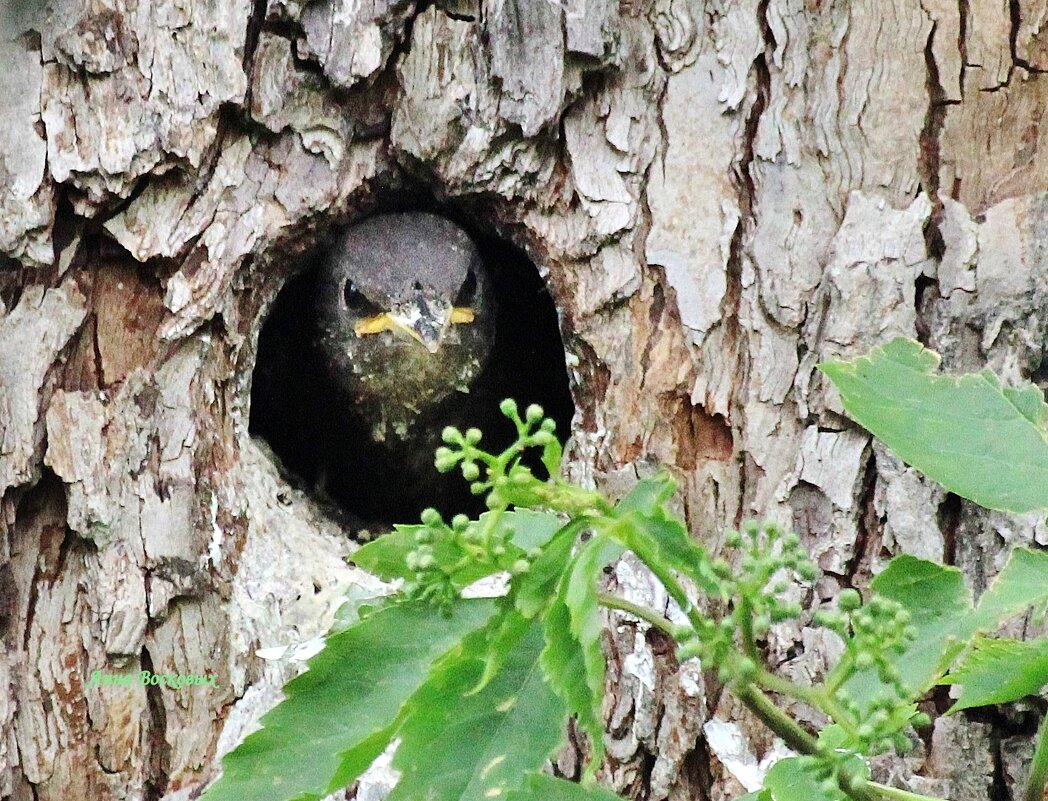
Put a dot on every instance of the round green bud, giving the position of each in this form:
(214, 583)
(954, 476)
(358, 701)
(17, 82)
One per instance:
(829, 787)
(499, 550)
(451, 435)
(470, 471)
(733, 539)
(747, 668)
(423, 536)
(478, 488)
(549, 425)
(849, 600)
(431, 517)
(426, 561)
(411, 560)
(863, 660)
(460, 522)
(920, 720)
(473, 435)
(542, 438)
(807, 571)
(791, 541)
(865, 731)
(508, 407)
(533, 413)
(520, 567)
(494, 500)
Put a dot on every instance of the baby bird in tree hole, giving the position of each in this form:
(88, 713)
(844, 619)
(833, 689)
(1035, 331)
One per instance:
(401, 326)
(405, 318)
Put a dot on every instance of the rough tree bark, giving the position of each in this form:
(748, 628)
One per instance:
(720, 194)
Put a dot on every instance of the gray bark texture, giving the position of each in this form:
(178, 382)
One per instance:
(719, 193)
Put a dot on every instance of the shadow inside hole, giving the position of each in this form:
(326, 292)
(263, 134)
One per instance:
(321, 439)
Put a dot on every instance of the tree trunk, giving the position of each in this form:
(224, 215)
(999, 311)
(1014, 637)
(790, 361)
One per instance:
(720, 194)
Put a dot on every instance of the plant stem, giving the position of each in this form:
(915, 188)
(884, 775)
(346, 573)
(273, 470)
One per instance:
(654, 619)
(1038, 767)
(775, 719)
(895, 794)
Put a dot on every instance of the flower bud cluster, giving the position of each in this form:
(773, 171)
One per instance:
(770, 557)
(755, 586)
(874, 634)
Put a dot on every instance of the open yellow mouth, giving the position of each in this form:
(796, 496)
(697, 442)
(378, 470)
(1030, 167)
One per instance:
(387, 322)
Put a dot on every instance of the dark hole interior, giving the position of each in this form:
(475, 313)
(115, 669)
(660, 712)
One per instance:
(324, 444)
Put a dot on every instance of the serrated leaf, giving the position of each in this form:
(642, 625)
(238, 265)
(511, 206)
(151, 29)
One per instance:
(578, 593)
(999, 671)
(978, 440)
(539, 787)
(1022, 583)
(564, 664)
(534, 590)
(338, 716)
(463, 746)
(789, 780)
(657, 536)
(552, 453)
(941, 610)
(507, 628)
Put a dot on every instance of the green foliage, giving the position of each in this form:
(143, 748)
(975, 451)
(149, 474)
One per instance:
(999, 671)
(980, 440)
(477, 693)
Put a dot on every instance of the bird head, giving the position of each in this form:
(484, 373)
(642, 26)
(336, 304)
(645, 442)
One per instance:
(405, 312)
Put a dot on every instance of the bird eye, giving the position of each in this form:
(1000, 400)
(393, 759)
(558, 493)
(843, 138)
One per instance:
(469, 289)
(355, 301)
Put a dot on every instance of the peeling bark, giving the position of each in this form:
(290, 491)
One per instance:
(720, 195)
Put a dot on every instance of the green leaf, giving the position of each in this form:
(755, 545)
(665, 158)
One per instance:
(789, 780)
(999, 671)
(979, 440)
(1021, 584)
(578, 592)
(457, 745)
(552, 453)
(535, 589)
(386, 556)
(339, 715)
(539, 787)
(941, 609)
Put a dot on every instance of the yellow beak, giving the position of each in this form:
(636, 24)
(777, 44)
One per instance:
(395, 323)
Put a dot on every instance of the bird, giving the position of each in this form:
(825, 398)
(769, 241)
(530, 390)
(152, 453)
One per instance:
(405, 318)
(386, 331)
